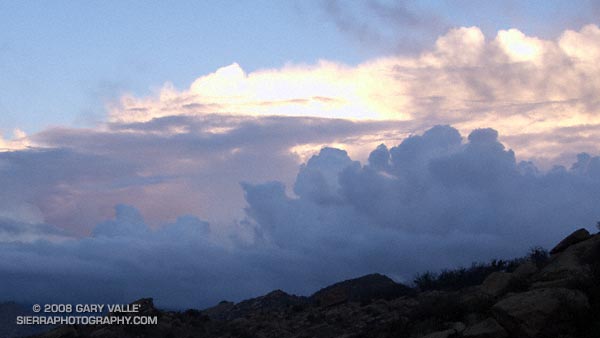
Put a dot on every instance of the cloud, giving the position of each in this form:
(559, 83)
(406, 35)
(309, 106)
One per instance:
(18, 141)
(60, 186)
(433, 198)
(12, 230)
(517, 84)
(433, 201)
(387, 26)
(166, 167)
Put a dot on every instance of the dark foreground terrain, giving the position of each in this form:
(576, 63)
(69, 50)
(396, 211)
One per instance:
(537, 296)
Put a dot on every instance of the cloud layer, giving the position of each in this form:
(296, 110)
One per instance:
(527, 88)
(166, 167)
(435, 200)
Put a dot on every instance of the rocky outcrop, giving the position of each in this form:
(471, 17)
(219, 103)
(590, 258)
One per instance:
(559, 297)
(274, 301)
(540, 312)
(572, 267)
(366, 288)
(574, 238)
(488, 328)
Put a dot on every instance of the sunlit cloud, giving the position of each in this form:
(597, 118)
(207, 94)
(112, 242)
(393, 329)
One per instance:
(323, 90)
(18, 141)
(515, 83)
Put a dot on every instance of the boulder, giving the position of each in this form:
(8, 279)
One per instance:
(525, 270)
(570, 267)
(541, 311)
(497, 283)
(574, 238)
(488, 328)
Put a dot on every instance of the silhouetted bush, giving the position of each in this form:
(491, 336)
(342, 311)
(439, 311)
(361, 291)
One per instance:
(539, 256)
(463, 277)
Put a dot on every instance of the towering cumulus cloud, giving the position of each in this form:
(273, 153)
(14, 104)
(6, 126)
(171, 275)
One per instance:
(435, 200)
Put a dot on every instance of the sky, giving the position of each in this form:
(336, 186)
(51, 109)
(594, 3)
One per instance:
(71, 59)
(249, 146)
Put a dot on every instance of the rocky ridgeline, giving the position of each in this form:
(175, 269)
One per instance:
(557, 298)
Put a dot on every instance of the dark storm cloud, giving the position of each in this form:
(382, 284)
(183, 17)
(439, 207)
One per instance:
(434, 201)
(431, 196)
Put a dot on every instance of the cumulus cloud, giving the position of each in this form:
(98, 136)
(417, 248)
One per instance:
(167, 166)
(434, 201)
(517, 84)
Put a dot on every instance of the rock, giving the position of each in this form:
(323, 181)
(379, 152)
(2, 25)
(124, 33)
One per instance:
(365, 288)
(473, 299)
(536, 312)
(272, 302)
(474, 318)
(441, 334)
(219, 311)
(570, 267)
(459, 327)
(525, 270)
(488, 328)
(567, 283)
(574, 238)
(497, 283)
(146, 305)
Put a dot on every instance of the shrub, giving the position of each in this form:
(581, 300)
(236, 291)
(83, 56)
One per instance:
(458, 278)
(474, 275)
(539, 256)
